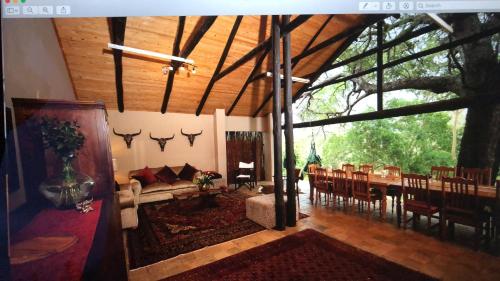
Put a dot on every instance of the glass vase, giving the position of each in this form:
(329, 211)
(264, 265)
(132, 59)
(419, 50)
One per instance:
(67, 189)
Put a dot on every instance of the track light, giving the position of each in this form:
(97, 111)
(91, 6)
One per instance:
(294, 79)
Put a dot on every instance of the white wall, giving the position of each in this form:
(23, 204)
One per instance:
(208, 152)
(34, 67)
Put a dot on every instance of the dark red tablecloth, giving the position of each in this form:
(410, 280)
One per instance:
(69, 264)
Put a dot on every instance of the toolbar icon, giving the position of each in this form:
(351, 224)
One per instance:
(30, 10)
(12, 11)
(406, 5)
(45, 10)
(63, 10)
(389, 6)
(369, 6)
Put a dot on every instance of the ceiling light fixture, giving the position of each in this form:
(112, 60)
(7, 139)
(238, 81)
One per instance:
(149, 53)
(294, 79)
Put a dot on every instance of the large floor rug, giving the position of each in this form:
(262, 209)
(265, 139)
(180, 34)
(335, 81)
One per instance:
(306, 255)
(167, 229)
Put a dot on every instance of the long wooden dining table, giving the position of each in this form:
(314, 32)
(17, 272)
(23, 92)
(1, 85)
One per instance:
(487, 194)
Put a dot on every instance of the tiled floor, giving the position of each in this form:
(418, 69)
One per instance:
(444, 260)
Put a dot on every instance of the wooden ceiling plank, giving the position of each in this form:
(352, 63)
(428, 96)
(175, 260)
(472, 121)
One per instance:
(175, 52)
(263, 45)
(202, 26)
(308, 45)
(117, 35)
(222, 59)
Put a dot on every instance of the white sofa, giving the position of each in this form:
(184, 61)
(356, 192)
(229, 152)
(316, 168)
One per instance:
(160, 191)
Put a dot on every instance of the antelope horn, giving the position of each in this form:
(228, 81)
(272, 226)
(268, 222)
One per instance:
(156, 139)
(171, 137)
(136, 134)
(121, 135)
(198, 133)
(183, 133)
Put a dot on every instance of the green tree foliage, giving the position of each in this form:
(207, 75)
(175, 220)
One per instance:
(415, 143)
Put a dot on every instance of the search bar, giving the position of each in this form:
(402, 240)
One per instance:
(457, 5)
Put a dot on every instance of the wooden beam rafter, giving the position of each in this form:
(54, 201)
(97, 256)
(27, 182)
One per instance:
(202, 26)
(263, 45)
(222, 59)
(308, 45)
(117, 35)
(175, 52)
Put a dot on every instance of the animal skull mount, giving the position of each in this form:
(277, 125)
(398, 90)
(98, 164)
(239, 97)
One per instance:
(161, 141)
(191, 136)
(127, 137)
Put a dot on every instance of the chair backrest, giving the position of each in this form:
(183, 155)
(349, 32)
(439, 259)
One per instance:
(321, 178)
(366, 168)
(340, 181)
(349, 168)
(360, 184)
(416, 188)
(243, 165)
(393, 171)
(311, 168)
(482, 175)
(459, 194)
(438, 172)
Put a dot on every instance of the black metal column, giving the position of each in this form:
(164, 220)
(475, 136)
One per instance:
(291, 219)
(278, 170)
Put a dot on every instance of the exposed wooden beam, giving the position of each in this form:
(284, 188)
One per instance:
(117, 35)
(248, 81)
(222, 59)
(337, 37)
(314, 76)
(278, 176)
(380, 62)
(263, 45)
(445, 105)
(202, 26)
(446, 46)
(291, 207)
(263, 75)
(175, 52)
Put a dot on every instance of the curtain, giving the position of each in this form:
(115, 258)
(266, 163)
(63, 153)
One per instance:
(244, 147)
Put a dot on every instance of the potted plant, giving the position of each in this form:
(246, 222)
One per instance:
(204, 182)
(64, 139)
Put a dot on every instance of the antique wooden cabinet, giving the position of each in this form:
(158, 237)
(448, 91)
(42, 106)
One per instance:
(106, 258)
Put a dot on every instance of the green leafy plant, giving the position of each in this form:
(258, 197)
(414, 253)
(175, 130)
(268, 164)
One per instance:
(204, 181)
(62, 137)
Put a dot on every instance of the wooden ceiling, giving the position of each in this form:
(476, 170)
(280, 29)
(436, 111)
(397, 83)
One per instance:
(92, 69)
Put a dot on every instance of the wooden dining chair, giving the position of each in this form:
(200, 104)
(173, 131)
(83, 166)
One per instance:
(461, 205)
(311, 170)
(392, 171)
(340, 187)
(417, 199)
(366, 168)
(361, 190)
(348, 168)
(438, 172)
(482, 175)
(321, 186)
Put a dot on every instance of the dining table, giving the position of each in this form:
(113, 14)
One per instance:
(487, 194)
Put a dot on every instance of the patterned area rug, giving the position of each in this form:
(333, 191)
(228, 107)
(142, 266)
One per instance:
(169, 228)
(306, 255)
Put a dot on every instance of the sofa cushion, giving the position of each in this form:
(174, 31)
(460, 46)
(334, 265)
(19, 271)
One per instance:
(183, 184)
(187, 172)
(157, 186)
(166, 175)
(146, 176)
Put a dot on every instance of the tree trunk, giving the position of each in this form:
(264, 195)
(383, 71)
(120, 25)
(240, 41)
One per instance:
(481, 136)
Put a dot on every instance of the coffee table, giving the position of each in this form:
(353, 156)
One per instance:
(207, 198)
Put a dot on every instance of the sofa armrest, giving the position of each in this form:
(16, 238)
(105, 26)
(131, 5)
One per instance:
(136, 187)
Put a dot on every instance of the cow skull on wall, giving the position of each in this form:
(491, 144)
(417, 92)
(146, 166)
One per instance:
(161, 141)
(191, 137)
(127, 137)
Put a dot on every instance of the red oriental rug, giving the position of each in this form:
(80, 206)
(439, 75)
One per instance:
(169, 228)
(306, 255)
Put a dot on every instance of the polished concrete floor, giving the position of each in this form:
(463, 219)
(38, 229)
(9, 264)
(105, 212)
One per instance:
(414, 249)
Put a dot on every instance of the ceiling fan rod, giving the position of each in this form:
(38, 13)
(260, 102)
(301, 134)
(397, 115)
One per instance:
(150, 53)
(294, 79)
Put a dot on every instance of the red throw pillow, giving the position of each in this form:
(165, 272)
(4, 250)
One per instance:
(146, 176)
(166, 175)
(187, 172)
